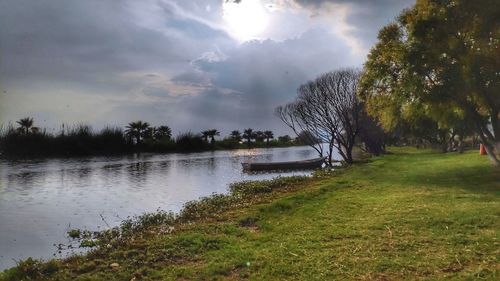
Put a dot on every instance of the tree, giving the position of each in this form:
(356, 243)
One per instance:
(236, 136)
(328, 110)
(149, 133)
(372, 135)
(284, 139)
(212, 133)
(259, 136)
(205, 135)
(442, 57)
(163, 133)
(307, 138)
(248, 135)
(137, 130)
(268, 135)
(26, 124)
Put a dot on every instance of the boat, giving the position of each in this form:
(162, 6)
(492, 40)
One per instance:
(290, 165)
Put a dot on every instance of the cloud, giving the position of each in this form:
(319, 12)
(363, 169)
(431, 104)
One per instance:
(193, 78)
(265, 74)
(363, 18)
(174, 62)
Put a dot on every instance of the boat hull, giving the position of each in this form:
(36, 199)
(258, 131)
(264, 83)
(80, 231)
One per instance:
(293, 165)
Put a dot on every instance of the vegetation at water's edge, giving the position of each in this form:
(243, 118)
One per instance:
(408, 215)
(27, 140)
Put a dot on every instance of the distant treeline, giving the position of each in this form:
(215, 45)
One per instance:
(27, 140)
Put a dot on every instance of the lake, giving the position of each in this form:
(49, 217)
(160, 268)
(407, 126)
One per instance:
(40, 200)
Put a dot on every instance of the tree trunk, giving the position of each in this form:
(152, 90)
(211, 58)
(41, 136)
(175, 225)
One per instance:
(342, 153)
(348, 153)
(451, 142)
(491, 154)
(489, 151)
(460, 148)
(330, 155)
(349, 157)
(495, 124)
(443, 141)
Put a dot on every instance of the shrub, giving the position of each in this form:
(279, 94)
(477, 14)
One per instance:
(190, 142)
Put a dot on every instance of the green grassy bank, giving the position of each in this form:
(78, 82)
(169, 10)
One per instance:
(409, 215)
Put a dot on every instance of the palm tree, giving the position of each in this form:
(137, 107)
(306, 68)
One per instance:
(212, 133)
(26, 124)
(258, 136)
(268, 135)
(136, 130)
(163, 132)
(248, 135)
(205, 134)
(235, 135)
(149, 133)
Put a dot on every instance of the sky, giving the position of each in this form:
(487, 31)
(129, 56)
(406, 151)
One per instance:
(191, 65)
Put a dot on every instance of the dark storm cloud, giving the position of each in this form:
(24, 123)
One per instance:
(76, 42)
(87, 42)
(265, 74)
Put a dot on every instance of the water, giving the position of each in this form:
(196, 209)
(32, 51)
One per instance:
(40, 200)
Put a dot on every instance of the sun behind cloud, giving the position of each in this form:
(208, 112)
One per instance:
(246, 19)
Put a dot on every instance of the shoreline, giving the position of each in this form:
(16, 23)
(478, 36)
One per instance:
(7, 157)
(214, 235)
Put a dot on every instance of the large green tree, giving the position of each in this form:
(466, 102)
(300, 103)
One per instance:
(442, 59)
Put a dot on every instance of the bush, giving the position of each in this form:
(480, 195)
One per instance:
(188, 141)
(78, 140)
(31, 269)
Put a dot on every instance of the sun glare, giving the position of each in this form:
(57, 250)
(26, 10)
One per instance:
(246, 20)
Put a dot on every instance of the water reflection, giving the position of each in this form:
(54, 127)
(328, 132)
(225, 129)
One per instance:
(41, 199)
(24, 179)
(137, 172)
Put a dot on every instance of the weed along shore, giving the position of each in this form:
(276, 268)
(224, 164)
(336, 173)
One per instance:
(413, 214)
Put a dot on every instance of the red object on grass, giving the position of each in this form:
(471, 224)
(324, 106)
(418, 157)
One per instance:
(482, 151)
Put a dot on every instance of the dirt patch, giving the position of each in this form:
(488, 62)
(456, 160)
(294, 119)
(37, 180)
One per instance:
(453, 267)
(250, 223)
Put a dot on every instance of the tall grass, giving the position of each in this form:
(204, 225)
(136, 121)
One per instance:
(191, 142)
(82, 140)
(76, 140)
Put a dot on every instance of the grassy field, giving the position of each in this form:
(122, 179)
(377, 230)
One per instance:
(409, 215)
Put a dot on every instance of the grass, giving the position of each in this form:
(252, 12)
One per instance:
(409, 215)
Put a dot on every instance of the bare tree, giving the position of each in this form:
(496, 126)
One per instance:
(328, 109)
